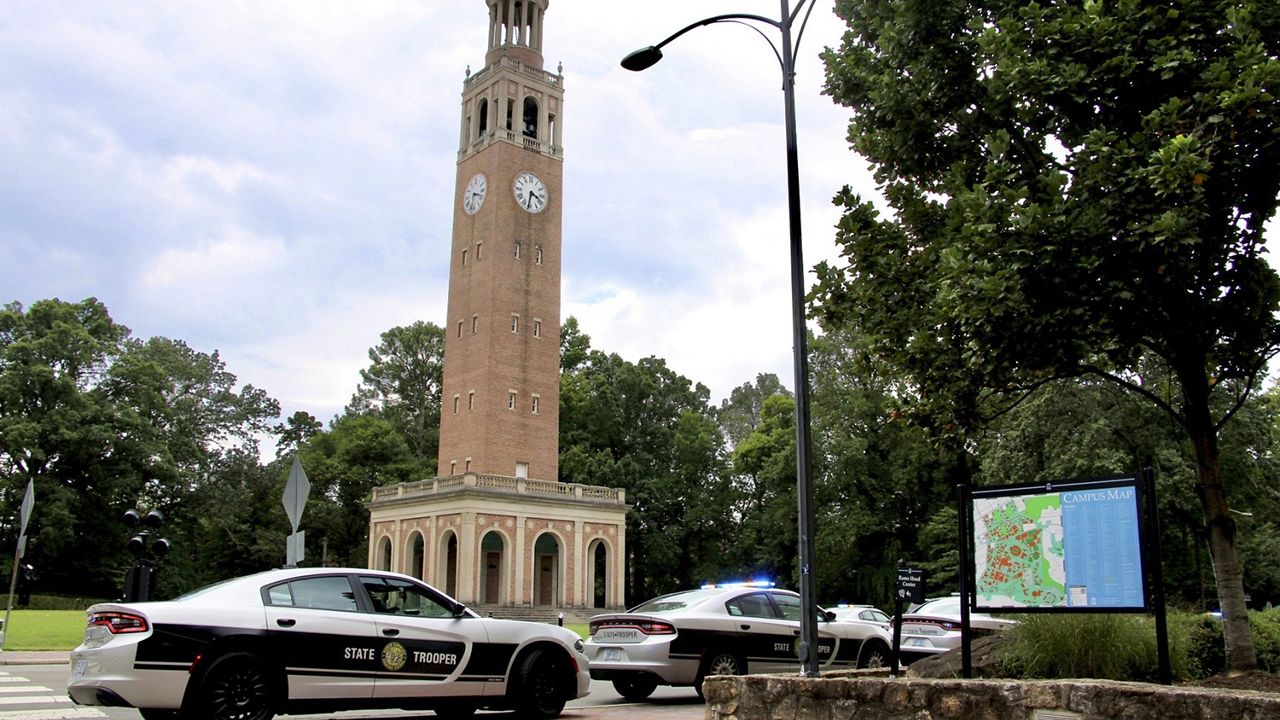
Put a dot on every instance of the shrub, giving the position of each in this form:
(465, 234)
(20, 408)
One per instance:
(58, 602)
(1107, 646)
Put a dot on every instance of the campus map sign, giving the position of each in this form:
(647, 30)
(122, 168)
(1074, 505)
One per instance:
(1064, 546)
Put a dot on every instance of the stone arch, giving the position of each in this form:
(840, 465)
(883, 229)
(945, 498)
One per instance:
(599, 562)
(415, 553)
(493, 568)
(548, 570)
(447, 565)
(384, 553)
(482, 117)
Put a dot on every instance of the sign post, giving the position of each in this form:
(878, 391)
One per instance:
(296, 490)
(28, 502)
(910, 588)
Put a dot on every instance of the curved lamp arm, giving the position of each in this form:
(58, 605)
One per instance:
(645, 58)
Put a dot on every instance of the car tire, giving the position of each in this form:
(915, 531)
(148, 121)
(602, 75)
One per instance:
(542, 677)
(635, 687)
(236, 686)
(875, 654)
(719, 662)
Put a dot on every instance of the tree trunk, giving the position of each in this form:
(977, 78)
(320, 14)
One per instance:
(1220, 527)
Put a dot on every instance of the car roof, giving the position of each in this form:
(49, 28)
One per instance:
(248, 586)
(688, 600)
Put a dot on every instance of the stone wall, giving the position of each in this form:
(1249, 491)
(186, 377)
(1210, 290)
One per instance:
(860, 696)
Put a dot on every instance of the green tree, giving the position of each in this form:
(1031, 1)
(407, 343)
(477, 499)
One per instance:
(643, 428)
(403, 384)
(344, 465)
(878, 478)
(295, 431)
(740, 413)
(1074, 186)
(101, 423)
(764, 469)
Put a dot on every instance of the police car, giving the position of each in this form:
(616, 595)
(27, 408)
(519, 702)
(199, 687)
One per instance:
(681, 638)
(320, 640)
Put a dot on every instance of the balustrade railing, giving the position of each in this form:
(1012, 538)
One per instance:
(499, 484)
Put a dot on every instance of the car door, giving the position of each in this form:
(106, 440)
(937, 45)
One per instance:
(765, 637)
(325, 643)
(424, 644)
(828, 642)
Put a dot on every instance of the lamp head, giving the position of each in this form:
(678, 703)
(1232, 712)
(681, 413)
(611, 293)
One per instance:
(642, 59)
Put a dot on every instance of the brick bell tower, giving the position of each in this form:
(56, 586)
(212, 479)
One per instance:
(501, 405)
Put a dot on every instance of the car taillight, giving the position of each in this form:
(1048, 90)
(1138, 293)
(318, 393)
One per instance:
(119, 622)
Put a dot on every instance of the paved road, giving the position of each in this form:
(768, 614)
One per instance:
(38, 692)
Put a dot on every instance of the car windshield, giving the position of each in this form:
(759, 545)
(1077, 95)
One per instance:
(673, 602)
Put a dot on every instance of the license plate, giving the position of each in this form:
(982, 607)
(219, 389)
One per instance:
(78, 670)
(612, 655)
(915, 642)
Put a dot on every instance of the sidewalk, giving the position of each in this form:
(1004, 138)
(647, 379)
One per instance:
(34, 657)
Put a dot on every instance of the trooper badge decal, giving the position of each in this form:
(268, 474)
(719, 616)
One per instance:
(394, 656)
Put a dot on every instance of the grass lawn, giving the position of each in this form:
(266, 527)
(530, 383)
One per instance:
(44, 629)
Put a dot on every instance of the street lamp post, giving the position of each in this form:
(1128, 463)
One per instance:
(645, 58)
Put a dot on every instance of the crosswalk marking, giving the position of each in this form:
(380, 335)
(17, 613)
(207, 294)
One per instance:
(33, 699)
(68, 713)
(56, 707)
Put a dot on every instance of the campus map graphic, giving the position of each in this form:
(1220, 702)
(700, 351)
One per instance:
(1076, 548)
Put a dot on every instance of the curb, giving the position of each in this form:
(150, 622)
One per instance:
(34, 657)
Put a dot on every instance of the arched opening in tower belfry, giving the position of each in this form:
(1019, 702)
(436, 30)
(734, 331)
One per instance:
(482, 125)
(531, 118)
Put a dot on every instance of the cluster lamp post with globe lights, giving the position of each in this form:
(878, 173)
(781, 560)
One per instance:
(645, 58)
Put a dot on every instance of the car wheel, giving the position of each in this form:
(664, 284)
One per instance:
(635, 687)
(540, 683)
(875, 654)
(236, 687)
(719, 663)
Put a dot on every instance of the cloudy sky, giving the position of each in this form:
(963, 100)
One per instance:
(274, 179)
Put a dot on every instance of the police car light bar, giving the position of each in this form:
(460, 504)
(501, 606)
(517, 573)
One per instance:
(746, 584)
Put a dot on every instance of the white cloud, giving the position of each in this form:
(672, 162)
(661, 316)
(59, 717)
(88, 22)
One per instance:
(275, 180)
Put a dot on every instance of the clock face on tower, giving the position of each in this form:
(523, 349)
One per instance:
(531, 193)
(473, 195)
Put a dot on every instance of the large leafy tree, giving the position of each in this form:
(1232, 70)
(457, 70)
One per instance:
(879, 478)
(403, 385)
(100, 423)
(1073, 186)
(644, 428)
(741, 412)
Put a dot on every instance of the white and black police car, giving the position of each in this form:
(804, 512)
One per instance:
(320, 640)
(732, 629)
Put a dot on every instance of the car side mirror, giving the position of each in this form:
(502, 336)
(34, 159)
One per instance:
(459, 609)
(827, 615)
